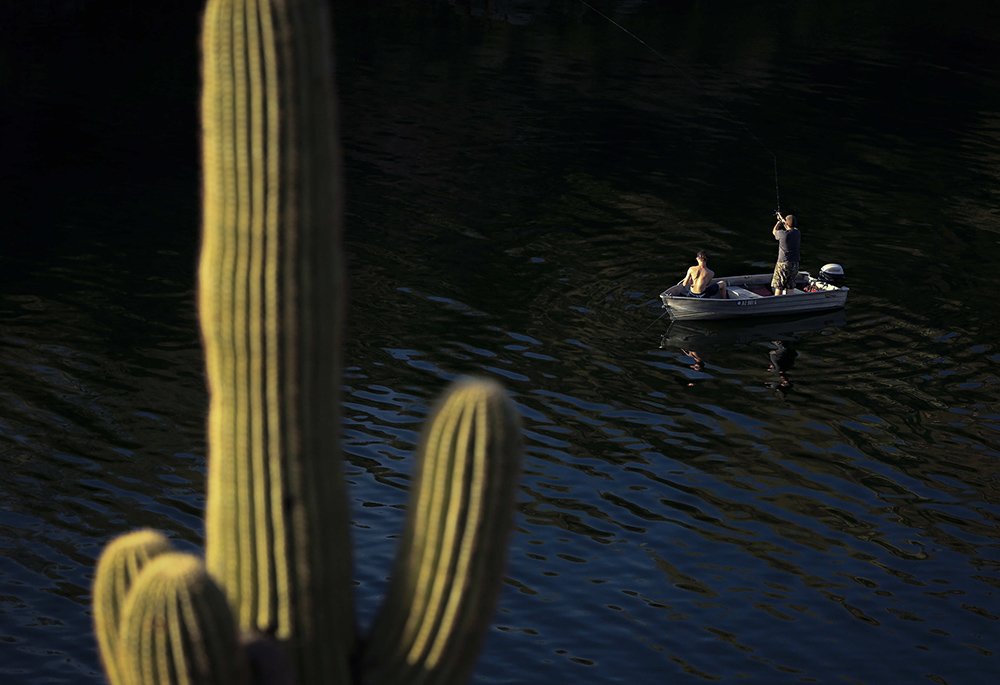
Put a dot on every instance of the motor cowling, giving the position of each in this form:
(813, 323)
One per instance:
(832, 274)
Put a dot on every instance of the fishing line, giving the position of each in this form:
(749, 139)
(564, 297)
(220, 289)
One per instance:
(702, 89)
(651, 325)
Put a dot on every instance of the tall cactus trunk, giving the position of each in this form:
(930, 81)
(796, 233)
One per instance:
(271, 284)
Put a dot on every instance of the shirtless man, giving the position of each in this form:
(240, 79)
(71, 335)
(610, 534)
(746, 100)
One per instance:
(699, 280)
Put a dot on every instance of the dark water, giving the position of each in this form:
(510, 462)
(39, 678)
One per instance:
(523, 180)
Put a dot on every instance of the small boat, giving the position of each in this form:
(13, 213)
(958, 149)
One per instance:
(751, 296)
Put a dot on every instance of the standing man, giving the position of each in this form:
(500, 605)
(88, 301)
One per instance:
(787, 268)
(699, 279)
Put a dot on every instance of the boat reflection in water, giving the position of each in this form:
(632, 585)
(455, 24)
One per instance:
(700, 340)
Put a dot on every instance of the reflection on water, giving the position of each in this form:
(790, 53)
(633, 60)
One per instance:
(782, 360)
(519, 192)
(703, 340)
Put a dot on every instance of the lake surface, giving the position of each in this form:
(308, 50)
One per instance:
(523, 180)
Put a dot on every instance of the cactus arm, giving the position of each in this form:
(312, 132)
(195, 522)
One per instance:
(177, 628)
(271, 309)
(450, 564)
(117, 569)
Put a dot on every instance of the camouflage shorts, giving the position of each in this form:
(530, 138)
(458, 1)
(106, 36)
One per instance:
(784, 275)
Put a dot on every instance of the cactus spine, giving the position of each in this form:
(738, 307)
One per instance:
(271, 285)
(177, 628)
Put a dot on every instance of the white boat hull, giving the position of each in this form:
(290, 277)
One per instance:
(745, 299)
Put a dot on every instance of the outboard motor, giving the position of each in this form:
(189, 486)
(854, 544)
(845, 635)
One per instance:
(832, 274)
(831, 277)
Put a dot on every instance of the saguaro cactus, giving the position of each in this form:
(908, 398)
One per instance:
(271, 290)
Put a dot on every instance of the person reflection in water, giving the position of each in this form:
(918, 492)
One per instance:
(782, 360)
(699, 363)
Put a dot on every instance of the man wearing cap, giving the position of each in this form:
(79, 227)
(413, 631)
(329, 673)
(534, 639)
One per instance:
(787, 268)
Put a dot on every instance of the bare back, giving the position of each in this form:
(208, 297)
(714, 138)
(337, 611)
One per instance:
(698, 278)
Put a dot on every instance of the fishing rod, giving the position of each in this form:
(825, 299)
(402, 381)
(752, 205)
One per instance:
(697, 85)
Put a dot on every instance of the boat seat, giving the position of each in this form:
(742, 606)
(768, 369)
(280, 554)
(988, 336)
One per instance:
(735, 292)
